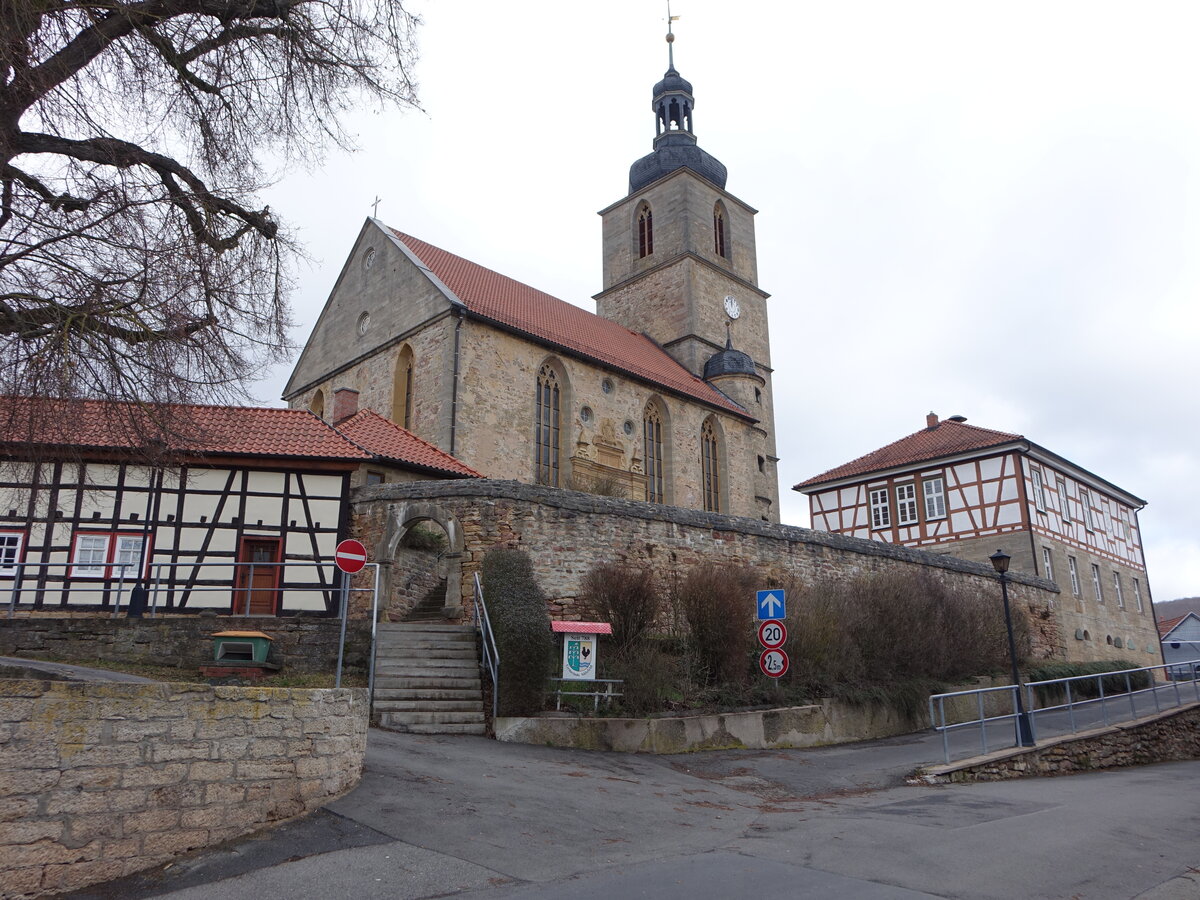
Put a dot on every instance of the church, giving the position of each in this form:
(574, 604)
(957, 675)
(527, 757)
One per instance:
(662, 395)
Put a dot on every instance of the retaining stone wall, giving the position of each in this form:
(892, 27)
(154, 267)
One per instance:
(1170, 736)
(567, 532)
(302, 645)
(101, 780)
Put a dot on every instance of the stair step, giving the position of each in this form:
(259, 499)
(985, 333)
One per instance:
(427, 705)
(437, 693)
(479, 728)
(415, 627)
(423, 665)
(432, 718)
(426, 682)
(430, 648)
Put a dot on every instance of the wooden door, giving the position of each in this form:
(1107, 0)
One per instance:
(258, 583)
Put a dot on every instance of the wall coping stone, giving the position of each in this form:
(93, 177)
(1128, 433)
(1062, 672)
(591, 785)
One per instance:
(577, 501)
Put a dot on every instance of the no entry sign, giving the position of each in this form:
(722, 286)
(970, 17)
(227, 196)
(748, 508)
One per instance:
(350, 556)
(772, 634)
(773, 663)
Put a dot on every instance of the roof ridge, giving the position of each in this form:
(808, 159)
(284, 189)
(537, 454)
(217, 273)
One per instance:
(364, 414)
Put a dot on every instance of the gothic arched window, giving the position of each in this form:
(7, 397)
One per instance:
(645, 224)
(710, 459)
(719, 245)
(652, 430)
(546, 427)
(402, 389)
(317, 404)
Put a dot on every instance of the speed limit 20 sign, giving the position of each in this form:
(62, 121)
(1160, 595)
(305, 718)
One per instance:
(772, 634)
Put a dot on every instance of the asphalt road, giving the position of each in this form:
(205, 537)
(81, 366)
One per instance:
(443, 816)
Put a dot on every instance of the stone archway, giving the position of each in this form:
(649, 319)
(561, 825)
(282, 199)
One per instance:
(405, 516)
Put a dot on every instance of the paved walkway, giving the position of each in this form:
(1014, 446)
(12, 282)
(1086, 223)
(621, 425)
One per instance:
(66, 672)
(438, 816)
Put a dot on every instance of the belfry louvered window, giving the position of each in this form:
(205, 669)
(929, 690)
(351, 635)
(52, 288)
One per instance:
(719, 246)
(547, 427)
(645, 224)
(652, 431)
(711, 464)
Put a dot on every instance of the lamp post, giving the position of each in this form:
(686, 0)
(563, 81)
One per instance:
(1000, 561)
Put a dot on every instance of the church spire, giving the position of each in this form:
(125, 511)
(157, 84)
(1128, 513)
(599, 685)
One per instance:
(674, 135)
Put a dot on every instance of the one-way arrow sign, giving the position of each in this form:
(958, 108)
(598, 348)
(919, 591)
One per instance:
(771, 604)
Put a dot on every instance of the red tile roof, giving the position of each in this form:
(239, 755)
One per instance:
(1165, 625)
(384, 438)
(498, 298)
(944, 439)
(182, 428)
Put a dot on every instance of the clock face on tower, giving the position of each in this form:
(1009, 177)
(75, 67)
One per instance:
(731, 306)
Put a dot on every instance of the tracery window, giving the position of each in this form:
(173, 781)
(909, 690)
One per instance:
(710, 458)
(645, 224)
(719, 246)
(652, 431)
(546, 434)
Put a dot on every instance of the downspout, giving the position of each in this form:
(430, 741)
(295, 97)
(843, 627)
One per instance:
(454, 382)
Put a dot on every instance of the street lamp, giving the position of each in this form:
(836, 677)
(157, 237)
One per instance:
(1000, 561)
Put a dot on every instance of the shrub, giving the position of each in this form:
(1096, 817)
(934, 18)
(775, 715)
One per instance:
(521, 624)
(718, 603)
(1089, 688)
(651, 675)
(623, 596)
(896, 627)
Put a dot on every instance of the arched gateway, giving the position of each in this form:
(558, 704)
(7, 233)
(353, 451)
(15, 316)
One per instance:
(403, 518)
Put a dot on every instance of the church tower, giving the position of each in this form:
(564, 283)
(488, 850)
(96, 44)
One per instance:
(680, 266)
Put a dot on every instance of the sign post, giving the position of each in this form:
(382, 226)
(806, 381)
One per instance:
(770, 607)
(350, 557)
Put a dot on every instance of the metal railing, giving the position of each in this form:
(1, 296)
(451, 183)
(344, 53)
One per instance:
(1077, 703)
(490, 660)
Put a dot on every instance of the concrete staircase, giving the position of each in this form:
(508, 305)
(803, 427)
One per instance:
(427, 679)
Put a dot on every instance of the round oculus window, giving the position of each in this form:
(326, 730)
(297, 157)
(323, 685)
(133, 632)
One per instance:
(369, 257)
(628, 427)
(586, 414)
(606, 385)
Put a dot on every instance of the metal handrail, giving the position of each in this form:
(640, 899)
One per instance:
(1169, 689)
(490, 656)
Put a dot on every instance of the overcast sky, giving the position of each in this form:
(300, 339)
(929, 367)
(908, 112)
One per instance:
(977, 209)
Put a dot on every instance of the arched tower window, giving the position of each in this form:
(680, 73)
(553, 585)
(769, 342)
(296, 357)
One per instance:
(710, 459)
(719, 245)
(645, 225)
(402, 388)
(652, 432)
(546, 434)
(317, 404)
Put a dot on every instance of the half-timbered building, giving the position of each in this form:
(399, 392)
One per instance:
(971, 490)
(238, 510)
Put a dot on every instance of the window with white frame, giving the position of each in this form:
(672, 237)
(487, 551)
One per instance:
(1089, 517)
(1137, 595)
(1048, 564)
(881, 511)
(1117, 590)
(906, 504)
(1096, 583)
(1074, 568)
(935, 498)
(107, 555)
(1039, 490)
(11, 543)
(1064, 503)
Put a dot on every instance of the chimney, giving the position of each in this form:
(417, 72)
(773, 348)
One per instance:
(931, 420)
(345, 404)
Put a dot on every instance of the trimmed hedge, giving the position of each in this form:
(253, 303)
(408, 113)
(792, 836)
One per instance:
(517, 608)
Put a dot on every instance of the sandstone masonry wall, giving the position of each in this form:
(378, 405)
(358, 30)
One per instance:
(1169, 736)
(101, 780)
(302, 645)
(567, 532)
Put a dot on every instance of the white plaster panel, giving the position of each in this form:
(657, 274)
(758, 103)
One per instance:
(990, 468)
(1008, 489)
(971, 494)
(960, 522)
(1008, 514)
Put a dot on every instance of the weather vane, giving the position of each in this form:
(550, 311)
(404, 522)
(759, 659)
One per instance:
(670, 37)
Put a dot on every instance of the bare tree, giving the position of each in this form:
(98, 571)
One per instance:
(135, 261)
